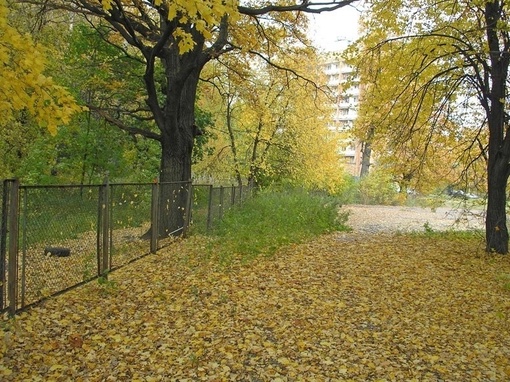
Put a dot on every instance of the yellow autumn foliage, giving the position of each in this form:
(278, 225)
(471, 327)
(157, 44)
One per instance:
(276, 127)
(23, 84)
(204, 15)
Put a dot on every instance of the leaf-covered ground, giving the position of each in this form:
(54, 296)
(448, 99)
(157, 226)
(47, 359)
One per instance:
(343, 307)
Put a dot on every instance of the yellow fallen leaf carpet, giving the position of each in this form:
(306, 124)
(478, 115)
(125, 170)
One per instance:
(344, 307)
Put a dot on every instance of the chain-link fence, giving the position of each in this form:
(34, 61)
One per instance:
(130, 222)
(56, 237)
(57, 230)
(3, 244)
(221, 199)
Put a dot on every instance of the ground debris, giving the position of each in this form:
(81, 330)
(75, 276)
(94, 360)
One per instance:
(391, 308)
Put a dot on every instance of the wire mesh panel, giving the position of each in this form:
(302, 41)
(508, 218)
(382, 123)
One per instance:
(200, 208)
(174, 202)
(245, 192)
(216, 206)
(239, 194)
(228, 197)
(58, 246)
(130, 222)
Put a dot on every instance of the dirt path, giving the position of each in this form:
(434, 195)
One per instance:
(374, 219)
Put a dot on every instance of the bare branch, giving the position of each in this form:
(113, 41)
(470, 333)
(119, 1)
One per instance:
(303, 6)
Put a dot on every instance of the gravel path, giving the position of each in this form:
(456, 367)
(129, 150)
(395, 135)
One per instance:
(381, 219)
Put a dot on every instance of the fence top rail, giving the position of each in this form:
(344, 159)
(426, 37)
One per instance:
(26, 186)
(230, 185)
(176, 182)
(97, 185)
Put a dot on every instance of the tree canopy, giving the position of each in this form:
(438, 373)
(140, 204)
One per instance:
(436, 77)
(25, 89)
(172, 41)
(271, 125)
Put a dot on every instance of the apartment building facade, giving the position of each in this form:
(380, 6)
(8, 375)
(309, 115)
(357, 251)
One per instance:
(344, 110)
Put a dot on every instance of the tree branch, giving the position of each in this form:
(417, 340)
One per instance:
(305, 6)
(116, 122)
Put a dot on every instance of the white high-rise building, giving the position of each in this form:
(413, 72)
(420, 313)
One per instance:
(344, 109)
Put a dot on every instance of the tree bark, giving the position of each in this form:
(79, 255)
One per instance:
(233, 146)
(366, 153)
(177, 142)
(496, 230)
(176, 121)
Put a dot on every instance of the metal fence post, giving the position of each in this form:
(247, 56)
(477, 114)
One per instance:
(99, 248)
(23, 217)
(209, 208)
(106, 228)
(187, 213)
(3, 245)
(103, 252)
(12, 282)
(154, 217)
(233, 195)
(221, 203)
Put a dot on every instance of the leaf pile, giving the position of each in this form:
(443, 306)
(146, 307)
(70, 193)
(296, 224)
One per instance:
(342, 307)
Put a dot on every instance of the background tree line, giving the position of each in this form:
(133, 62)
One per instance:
(435, 77)
(268, 136)
(179, 89)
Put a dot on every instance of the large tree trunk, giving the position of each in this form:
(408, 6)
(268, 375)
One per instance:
(175, 175)
(176, 121)
(176, 158)
(496, 230)
(366, 152)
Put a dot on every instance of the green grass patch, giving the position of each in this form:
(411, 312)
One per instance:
(450, 234)
(273, 219)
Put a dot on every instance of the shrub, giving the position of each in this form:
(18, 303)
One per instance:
(275, 218)
(378, 188)
(349, 193)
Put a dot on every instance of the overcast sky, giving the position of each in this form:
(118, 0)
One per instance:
(330, 30)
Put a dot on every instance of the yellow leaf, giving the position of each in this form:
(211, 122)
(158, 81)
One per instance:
(5, 371)
(172, 11)
(107, 4)
(58, 367)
